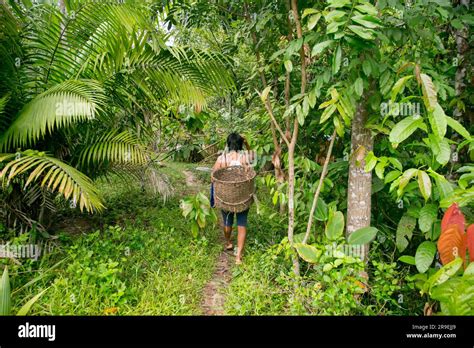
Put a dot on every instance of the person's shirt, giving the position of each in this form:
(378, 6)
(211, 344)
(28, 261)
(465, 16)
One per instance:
(232, 158)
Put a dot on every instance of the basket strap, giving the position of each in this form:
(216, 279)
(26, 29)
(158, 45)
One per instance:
(245, 201)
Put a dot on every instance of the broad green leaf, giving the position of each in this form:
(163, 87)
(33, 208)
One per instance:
(338, 3)
(367, 21)
(405, 128)
(5, 293)
(335, 226)
(410, 260)
(309, 11)
(397, 87)
(363, 235)
(366, 67)
(443, 274)
(405, 229)
(368, 8)
(392, 176)
(429, 92)
(406, 177)
(428, 215)
(321, 213)
(469, 269)
(308, 252)
(370, 161)
(327, 113)
(288, 65)
(444, 153)
(359, 86)
(396, 163)
(338, 124)
(364, 33)
(459, 128)
(336, 62)
(424, 183)
(319, 48)
(313, 20)
(438, 121)
(327, 103)
(380, 169)
(264, 94)
(424, 256)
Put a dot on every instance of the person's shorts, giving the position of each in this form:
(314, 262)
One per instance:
(228, 218)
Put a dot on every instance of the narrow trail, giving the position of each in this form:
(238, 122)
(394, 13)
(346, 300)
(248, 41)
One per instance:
(213, 292)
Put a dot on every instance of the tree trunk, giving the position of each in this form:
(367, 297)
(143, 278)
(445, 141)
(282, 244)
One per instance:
(461, 36)
(360, 182)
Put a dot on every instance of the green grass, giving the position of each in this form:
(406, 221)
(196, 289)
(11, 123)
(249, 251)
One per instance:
(138, 258)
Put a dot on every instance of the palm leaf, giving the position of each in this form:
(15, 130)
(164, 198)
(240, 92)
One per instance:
(60, 106)
(114, 147)
(54, 175)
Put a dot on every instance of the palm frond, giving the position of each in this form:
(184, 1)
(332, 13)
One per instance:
(114, 147)
(53, 175)
(61, 105)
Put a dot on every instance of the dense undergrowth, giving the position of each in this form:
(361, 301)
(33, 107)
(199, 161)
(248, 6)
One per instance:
(138, 258)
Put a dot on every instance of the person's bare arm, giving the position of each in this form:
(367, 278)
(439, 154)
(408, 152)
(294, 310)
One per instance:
(218, 165)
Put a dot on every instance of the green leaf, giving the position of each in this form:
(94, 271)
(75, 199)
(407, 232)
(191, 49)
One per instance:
(338, 3)
(428, 215)
(424, 256)
(364, 33)
(363, 235)
(338, 124)
(327, 113)
(321, 213)
(309, 11)
(410, 260)
(319, 48)
(424, 182)
(264, 94)
(359, 86)
(399, 85)
(444, 153)
(392, 176)
(27, 306)
(458, 127)
(336, 62)
(406, 177)
(405, 229)
(396, 163)
(367, 21)
(335, 226)
(366, 67)
(5, 293)
(313, 20)
(469, 269)
(405, 128)
(370, 161)
(288, 65)
(368, 8)
(438, 121)
(380, 168)
(308, 252)
(443, 274)
(429, 92)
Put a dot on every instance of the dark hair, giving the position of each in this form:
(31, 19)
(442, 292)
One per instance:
(235, 142)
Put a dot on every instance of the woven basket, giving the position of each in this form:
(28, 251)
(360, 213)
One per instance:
(234, 188)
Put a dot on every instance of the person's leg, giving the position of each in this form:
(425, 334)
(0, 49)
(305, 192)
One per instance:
(241, 234)
(228, 219)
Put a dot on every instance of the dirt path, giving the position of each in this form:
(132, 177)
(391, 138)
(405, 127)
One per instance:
(213, 292)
